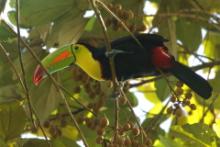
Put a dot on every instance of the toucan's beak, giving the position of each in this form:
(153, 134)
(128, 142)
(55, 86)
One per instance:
(56, 61)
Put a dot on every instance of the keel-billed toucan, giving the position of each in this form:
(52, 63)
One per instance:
(132, 60)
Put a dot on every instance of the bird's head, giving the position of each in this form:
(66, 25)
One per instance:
(58, 60)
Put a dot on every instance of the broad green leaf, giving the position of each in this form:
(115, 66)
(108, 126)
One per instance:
(90, 136)
(66, 30)
(89, 26)
(69, 132)
(132, 98)
(188, 138)
(152, 125)
(12, 120)
(167, 141)
(201, 131)
(125, 114)
(9, 41)
(42, 12)
(189, 33)
(162, 89)
(45, 99)
(9, 93)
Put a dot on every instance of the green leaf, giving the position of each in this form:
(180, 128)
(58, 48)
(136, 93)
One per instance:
(212, 45)
(35, 143)
(210, 5)
(66, 30)
(64, 142)
(132, 98)
(42, 12)
(162, 88)
(89, 26)
(201, 131)
(12, 120)
(90, 136)
(189, 34)
(2, 5)
(188, 138)
(45, 99)
(169, 142)
(3, 143)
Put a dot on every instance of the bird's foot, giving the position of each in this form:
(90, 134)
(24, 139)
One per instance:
(114, 52)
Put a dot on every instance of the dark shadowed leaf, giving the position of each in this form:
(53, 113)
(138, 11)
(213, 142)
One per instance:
(189, 34)
(35, 143)
(12, 120)
(45, 99)
(2, 5)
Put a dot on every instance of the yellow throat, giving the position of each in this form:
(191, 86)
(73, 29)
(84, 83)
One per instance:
(86, 62)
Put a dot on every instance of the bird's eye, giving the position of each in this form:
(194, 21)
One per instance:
(76, 47)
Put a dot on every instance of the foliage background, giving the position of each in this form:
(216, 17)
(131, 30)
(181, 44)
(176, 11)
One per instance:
(188, 24)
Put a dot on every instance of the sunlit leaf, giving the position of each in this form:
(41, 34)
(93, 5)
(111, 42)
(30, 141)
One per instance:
(188, 138)
(64, 142)
(201, 131)
(70, 132)
(212, 44)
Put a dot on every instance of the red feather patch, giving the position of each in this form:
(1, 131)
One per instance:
(161, 58)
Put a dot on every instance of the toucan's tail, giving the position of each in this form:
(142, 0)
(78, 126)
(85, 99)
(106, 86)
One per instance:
(193, 80)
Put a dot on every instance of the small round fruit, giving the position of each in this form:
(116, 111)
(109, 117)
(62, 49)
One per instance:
(103, 122)
(192, 106)
(126, 127)
(100, 131)
(136, 131)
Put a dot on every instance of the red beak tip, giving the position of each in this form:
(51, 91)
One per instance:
(38, 75)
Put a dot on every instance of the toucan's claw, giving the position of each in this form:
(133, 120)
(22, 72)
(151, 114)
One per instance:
(115, 52)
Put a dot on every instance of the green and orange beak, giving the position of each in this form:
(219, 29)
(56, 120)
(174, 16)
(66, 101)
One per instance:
(56, 61)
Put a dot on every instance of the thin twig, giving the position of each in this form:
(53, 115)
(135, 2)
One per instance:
(24, 74)
(111, 61)
(132, 111)
(23, 77)
(196, 54)
(74, 119)
(67, 114)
